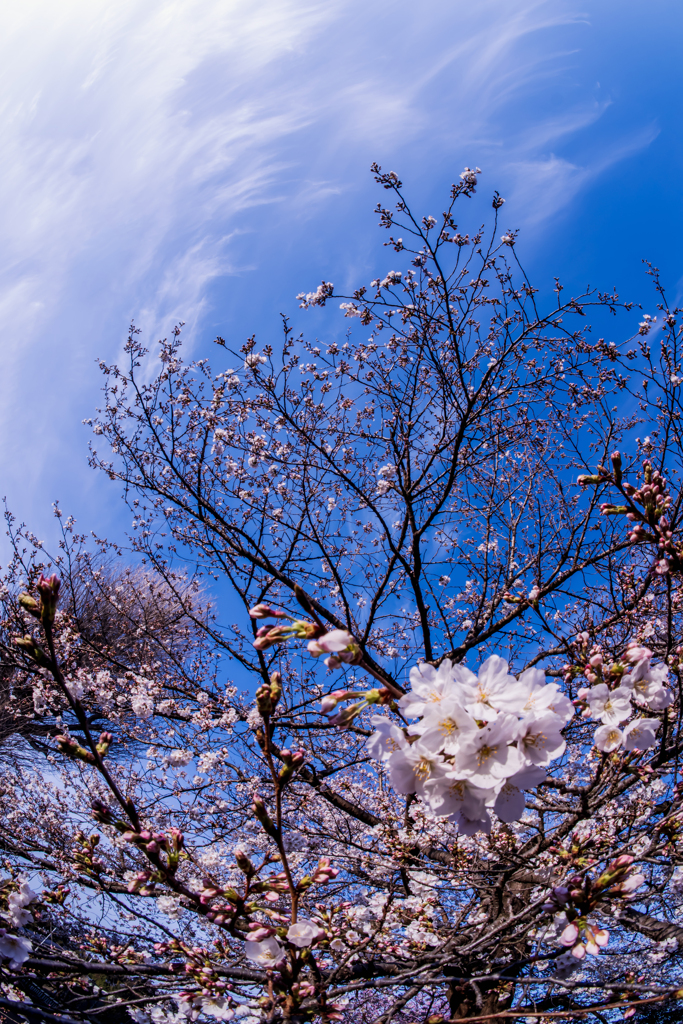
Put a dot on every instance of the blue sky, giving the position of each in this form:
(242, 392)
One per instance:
(205, 160)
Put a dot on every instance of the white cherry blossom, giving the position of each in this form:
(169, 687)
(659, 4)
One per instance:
(481, 739)
(386, 739)
(267, 952)
(218, 1007)
(303, 933)
(428, 685)
(14, 948)
(608, 738)
(487, 756)
(450, 795)
(540, 739)
(610, 706)
(444, 726)
(641, 734)
(647, 683)
(510, 801)
(413, 765)
(493, 690)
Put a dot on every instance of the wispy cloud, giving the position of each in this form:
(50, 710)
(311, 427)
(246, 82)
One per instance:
(137, 133)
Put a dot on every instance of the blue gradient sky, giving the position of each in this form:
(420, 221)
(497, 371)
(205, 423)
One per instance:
(205, 160)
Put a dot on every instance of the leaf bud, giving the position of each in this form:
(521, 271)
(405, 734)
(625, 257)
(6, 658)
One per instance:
(260, 812)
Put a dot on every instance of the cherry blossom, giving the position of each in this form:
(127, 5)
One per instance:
(14, 948)
(610, 706)
(303, 933)
(608, 738)
(641, 733)
(267, 952)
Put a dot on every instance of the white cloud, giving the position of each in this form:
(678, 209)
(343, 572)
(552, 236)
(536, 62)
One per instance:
(136, 133)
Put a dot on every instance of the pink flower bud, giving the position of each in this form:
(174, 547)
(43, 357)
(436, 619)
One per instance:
(579, 951)
(569, 935)
(632, 883)
(331, 643)
(636, 653)
(264, 611)
(330, 701)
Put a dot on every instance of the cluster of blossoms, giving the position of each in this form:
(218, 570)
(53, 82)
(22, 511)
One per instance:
(579, 897)
(619, 690)
(648, 510)
(338, 644)
(479, 740)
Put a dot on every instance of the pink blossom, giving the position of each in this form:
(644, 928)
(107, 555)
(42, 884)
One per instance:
(569, 935)
(334, 641)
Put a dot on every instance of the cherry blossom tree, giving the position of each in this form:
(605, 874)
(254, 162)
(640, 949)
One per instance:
(378, 717)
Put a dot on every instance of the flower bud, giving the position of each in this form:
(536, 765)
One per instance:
(616, 466)
(30, 605)
(275, 688)
(344, 717)
(263, 701)
(264, 611)
(244, 864)
(101, 812)
(49, 591)
(330, 701)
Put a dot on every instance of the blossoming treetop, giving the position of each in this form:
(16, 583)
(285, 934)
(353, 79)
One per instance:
(440, 556)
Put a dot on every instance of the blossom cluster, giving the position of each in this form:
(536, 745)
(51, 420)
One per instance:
(620, 689)
(479, 740)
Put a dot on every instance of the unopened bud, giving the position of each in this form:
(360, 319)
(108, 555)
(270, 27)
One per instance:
(264, 611)
(101, 812)
(49, 591)
(244, 864)
(302, 599)
(275, 687)
(263, 701)
(330, 701)
(30, 605)
(616, 466)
